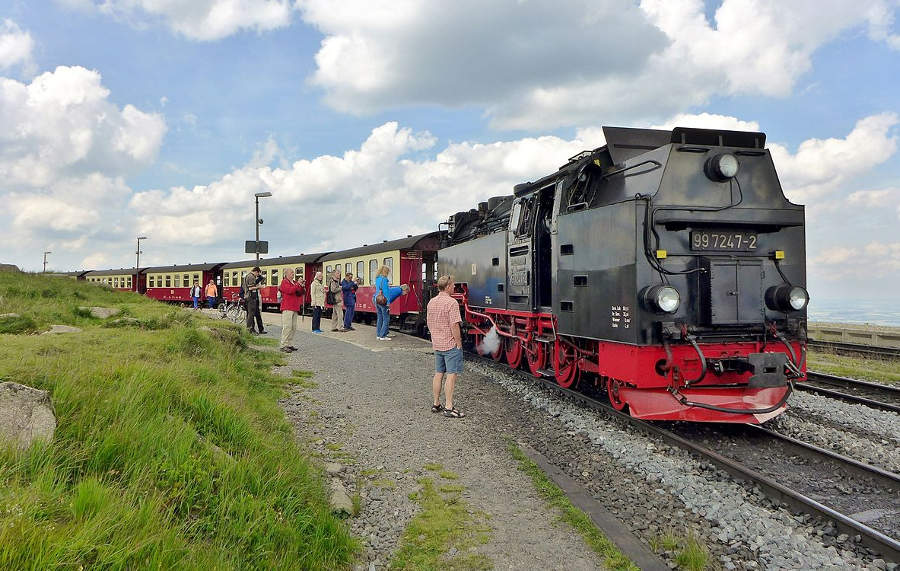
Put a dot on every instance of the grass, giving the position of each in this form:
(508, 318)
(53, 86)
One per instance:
(612, 557)
(170, 452)
(883, 370)
(690, 554)
(444, 522)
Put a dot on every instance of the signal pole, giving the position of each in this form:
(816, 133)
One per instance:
(137, 263)
(45, 260)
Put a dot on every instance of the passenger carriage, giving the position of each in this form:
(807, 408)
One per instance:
(123, 279)
(272, 270)
(173, 283)
(412, 261)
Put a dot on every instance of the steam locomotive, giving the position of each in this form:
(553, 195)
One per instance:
(666, 267)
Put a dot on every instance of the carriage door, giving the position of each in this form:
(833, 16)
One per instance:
(519, 269)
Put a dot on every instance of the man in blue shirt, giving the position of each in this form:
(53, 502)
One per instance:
(348, 288)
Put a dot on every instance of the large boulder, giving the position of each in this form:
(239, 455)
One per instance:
(26, 415)
(101, 312)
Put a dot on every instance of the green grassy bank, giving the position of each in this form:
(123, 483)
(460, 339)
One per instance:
(171, 450)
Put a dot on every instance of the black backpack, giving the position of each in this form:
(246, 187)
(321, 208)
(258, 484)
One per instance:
(329, 297)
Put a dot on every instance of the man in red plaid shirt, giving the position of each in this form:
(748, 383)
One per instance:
(446, 339)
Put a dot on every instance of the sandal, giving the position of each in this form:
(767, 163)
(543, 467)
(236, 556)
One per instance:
(437, 408)
(453, 413)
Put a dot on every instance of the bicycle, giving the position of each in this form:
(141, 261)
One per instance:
(233, 310)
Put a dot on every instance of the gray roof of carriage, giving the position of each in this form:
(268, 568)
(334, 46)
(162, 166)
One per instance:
(408, 243)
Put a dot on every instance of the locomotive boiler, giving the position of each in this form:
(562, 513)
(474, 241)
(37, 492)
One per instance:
(666, 267)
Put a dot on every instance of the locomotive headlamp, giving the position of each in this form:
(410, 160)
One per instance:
(661, 298)
(786, 297)
(721, 167)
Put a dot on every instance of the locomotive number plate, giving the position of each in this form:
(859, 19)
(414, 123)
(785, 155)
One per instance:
(723, 241)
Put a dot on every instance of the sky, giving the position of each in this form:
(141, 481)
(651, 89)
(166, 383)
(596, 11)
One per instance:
(370, 120)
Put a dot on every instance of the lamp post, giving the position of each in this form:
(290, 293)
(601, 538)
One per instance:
(45, 260)
(137, 263)
(259, 221)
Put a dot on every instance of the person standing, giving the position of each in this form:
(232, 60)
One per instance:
(317, 301)
(388, 294)
(337, 314)
(446, 340)
(251, 289)
(212, 292)
(196, 292)
(349, 287)
(290, 304)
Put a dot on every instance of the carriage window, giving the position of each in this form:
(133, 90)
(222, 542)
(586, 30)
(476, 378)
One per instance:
(389, 262)
(360, 270)
(197, 278)
(226, 279)
(298, 274)
(178, 281)
(115, 282)
(373, 270)
(128, 282)
(168, 280)
(274, 277)
(328, 270)
(150, 281)
(234, 279)
(348, 267)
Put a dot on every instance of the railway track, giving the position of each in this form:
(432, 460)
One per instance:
(875, 395)
(856, 349)
(842, 476)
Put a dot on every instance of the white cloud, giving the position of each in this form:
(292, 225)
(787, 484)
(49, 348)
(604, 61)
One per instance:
(708, 121)
(820, 166)
(62, 124)
(536, 65)
(203, 20)
(874, 198)
(16, 48)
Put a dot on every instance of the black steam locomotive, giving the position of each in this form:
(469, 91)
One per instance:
(666, 266)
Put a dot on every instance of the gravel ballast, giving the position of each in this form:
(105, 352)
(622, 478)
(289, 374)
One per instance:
(740, 518)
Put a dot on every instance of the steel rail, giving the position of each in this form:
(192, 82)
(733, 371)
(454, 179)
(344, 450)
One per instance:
(835, 380)
(886, 546)
(875, 350)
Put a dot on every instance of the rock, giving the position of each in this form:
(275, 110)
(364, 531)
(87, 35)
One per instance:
(340, 500)
(333, 468)
(452, 552)
(125, 321)
(26, 415)
(101, 312)
(58, 329)
(9, 315)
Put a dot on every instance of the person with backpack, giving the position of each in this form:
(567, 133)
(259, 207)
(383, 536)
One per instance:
(317, 301)
(251, 287)
(385, 294)
(337, 313)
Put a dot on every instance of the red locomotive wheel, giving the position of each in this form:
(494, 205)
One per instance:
(513, 351)
(615, 399)
(536, 357)
(565, 363)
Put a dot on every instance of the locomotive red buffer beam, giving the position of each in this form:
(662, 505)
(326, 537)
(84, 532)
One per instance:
(742, 382)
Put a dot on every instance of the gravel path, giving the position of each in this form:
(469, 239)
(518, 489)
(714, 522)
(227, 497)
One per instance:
(877, 424)
(371, 413)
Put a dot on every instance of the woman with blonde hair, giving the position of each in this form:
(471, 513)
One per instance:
(385, 293)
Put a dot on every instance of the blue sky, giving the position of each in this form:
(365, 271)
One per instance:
(371, 120)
